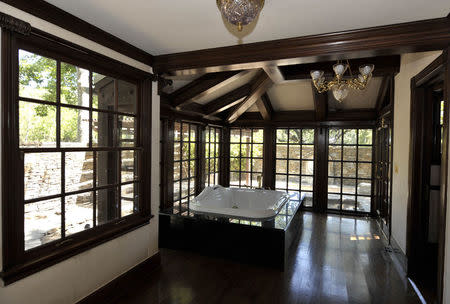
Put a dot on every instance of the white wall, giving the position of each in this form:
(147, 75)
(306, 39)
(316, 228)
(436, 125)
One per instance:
(411, 65)
(77, 277)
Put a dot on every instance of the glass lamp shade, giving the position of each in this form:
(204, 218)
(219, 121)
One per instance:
(366, 69)
(315, 75)
(240, 12)
(340, 68)
(340, 92)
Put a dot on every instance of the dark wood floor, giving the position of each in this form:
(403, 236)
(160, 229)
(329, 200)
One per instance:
(337, 260)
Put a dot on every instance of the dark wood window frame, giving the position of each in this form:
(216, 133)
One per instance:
(288, 160)
(213, 163)
(249, 158)
(18, 263)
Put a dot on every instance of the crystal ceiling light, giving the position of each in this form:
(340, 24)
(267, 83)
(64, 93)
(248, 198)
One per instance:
(340, 86)
(240, 12)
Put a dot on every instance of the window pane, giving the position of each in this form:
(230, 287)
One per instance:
(365, 137)
(308, 136)
(294, 182)
(193, 132)
(350, 153)
(294, 136)
(349, 186)
(185, 132)
(176, 191)
(334, 168)
(281, 166)
(334, 152)
(235, 135)
(335, 136)
(257, 151)
(245, 164)
(37, 76)
(294, 167)
(103, 92)
(37, 125)
(79, 212)
(280, 181)
(308, 152)
(307, 183)
(102, 129)
(365, 153)
(74, 85)
(281, 151)
(176, 170)
(334, 185)
(42, 172)
(42, 222)
(234, 178)
(177, 132)
(348, 202)
(234, 164)
(363, 204)
(129, 199)
(334, 201)
(308, 167)
(294, 151)
(107, 205)
(364, 187)
(245, 180)
(74, 127)
(349, 169)
(107, 162)
(350, 137)
(364, 170)
(79, 168)
(128, 166)
(282, 136)
(257, 165)
(258, 136)
(308, 200)
(127, 129)
(127, 97)
(257, 180)
(234, 150)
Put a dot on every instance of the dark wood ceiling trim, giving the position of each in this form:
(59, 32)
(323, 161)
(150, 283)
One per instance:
(360, 114)
(386, 82)
(228, 100)
(274, 73)
(67, 21)
(259, 86)
(170, 112)
(424, 35)
(265, 107)
(320, 103)
(384, 65)
(202, 86)
(13, 24)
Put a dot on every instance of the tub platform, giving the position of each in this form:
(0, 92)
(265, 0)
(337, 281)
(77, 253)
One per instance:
(264, 243)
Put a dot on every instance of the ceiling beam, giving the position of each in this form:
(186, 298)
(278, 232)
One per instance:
(320, 103)
(259, 86)
(274, 73)
(202, 86)
(384, 65)
(265, 107)
(396, 39)
(227, 101)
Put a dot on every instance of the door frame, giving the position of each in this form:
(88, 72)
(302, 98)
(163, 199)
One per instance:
(439, 68)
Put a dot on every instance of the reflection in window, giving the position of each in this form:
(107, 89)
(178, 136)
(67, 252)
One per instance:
(294, 165)
(185, 163)
(350, 169)
(79, 148)
(212, 155)
(246, 158)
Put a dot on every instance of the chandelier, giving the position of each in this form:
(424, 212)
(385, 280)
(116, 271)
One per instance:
(340, 86)
(240, 12)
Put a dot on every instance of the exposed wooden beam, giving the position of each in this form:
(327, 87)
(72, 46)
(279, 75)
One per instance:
(202, 86)
(320, 103)
(259, 86)
(227, 101)
(385, 84)
(384, 65)
(424, 35)
(274, 73)
(265, 107)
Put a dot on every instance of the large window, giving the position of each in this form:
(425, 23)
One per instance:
(212, 155)
(294, 166)
(73, 154)
(185, 163)
(246, 158)
(350, 169)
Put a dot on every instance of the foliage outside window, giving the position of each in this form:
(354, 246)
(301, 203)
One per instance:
(80, 154)
(294, 166)
(350, 169)
(212, 155)
(246, 157)
(185, 164)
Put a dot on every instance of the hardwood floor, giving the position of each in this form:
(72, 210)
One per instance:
(337, 260)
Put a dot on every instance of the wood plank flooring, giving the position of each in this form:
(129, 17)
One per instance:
(337, 259)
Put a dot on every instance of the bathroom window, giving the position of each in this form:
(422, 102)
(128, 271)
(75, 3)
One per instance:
(74, 152)
(294, 164)
(212, 155)
(350, 169)
(185, 163)
(246, 157)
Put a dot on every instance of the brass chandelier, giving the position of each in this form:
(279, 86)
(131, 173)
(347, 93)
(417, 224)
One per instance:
(240, 12)
(340, 86)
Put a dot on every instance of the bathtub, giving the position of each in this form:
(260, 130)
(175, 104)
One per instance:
(250, 204)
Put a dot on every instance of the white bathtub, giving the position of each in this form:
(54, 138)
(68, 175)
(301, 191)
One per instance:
(249, 204)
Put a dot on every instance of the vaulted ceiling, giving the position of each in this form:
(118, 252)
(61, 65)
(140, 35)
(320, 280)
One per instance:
(161, 26)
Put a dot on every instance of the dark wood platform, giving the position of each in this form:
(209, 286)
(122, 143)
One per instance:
(264, 243)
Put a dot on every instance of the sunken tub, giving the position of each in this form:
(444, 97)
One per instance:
(249, 204)
(246, 225)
